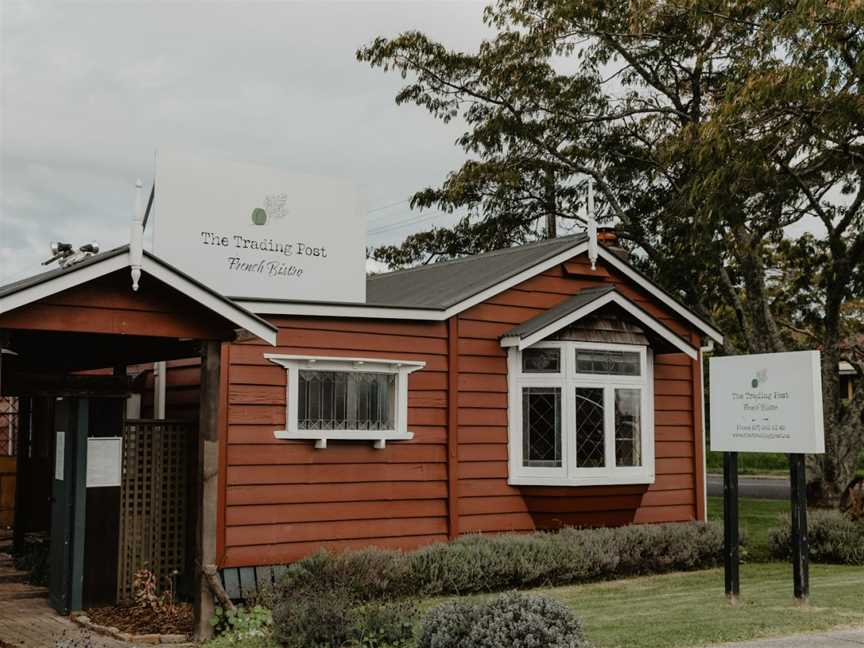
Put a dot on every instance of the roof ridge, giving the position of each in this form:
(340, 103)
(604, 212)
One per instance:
(491, 253)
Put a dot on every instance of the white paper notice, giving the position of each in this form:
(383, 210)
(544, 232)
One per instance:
(104, 460)
(59, 453)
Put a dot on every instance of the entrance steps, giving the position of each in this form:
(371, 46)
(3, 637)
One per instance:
(14, 585)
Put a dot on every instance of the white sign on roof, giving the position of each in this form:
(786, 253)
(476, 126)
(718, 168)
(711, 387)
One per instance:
(258, 232)
(770, 402)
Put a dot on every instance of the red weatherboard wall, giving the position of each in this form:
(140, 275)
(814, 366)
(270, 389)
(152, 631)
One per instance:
(282, 500)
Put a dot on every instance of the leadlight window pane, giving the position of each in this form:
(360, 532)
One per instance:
(541, 361)
(590, 435)
(613, 363)
(628, 424)
(343, 400)
(541, 427)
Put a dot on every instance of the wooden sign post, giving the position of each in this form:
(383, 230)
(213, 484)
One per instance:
(800, 549)
(731, 559)
(767, 403)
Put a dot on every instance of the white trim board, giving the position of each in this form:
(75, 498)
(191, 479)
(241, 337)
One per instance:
(152, 266)
(610, 297)
(69, 279)
(430, 314)
(260, 329)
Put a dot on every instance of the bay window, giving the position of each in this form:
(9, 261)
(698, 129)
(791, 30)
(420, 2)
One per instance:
(581, 413)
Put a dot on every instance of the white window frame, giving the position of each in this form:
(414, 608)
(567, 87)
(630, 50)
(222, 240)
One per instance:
(294, 363)
(568, 379)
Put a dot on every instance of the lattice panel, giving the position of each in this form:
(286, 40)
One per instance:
(8, 425)
(153, 500)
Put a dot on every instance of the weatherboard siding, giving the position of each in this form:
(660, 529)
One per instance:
(285, 499)
(282, 500)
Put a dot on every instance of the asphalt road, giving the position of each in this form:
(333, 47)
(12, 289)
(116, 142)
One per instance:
(758, 487)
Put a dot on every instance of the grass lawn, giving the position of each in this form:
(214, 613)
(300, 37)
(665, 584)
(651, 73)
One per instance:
(690, 609)
(756, 517)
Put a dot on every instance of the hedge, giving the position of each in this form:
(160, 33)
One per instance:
(496, 563)
(832, 538)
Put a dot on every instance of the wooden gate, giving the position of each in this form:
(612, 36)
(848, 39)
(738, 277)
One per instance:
(154, 501)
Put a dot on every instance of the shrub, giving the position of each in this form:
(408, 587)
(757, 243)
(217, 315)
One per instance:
(321, 618)
(316, 619)
(383, 625)
(496, 563)
(512, 620)
(833, 538)
(365, 575)
(501, 562)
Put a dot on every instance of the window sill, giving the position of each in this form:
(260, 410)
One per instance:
(598, 480)
(321, 437)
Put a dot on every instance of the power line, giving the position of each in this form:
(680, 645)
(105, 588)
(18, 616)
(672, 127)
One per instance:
(389, 227)
(383, 207)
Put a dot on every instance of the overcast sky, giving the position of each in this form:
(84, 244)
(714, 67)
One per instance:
(90, 90)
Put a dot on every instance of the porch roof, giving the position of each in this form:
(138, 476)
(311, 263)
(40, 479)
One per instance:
(27, 291)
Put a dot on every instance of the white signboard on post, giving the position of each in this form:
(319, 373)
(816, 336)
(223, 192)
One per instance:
(768, 402)
(257, 232)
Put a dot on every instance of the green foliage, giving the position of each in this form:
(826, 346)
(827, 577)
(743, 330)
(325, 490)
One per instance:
(383, 625)
(725, 140)
(250, 626)
(513, 620)
(833, 538)
(322, 618)
(313, 619)
(494, 563)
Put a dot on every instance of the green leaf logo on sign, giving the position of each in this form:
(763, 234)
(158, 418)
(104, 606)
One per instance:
(259, 216)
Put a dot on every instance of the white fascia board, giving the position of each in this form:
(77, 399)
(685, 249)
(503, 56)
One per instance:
(636, 277)
(558, 324)
(254, 325)
(340, 310)
(290, 359)
(516, 279)
(611, 297)
(661, 329)
(70, 279)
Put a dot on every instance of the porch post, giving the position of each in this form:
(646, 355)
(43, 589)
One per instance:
(207, 478)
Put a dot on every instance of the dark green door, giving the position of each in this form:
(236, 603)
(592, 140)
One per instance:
(68, 493)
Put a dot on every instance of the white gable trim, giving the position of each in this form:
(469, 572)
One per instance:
(229, 311)
(636, 277)
(310, 309)
(152, 266)
(611, 297)
(65, 281)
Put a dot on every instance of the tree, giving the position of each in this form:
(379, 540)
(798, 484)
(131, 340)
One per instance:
(718, 134)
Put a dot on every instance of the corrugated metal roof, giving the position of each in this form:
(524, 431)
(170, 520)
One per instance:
(581, 299)
(445, 284)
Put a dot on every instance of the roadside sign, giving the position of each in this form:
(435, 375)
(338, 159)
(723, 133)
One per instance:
(770, 402)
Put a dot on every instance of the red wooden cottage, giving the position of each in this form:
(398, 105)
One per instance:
(517, 390)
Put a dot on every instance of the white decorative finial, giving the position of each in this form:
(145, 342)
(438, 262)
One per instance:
(136, 237)
(591, 227)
